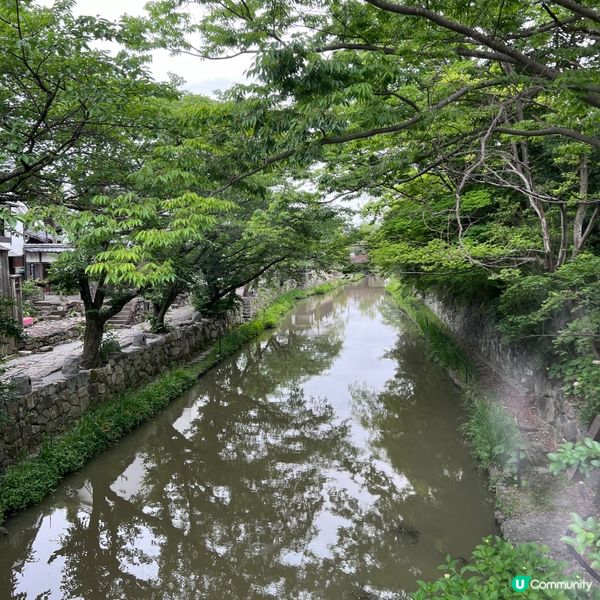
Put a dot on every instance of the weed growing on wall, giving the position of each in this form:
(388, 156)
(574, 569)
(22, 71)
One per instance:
(490, 430)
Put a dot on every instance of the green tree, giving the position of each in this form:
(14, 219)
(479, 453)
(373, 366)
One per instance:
(59, 93)
(385, 93)
(116, 249)
(272, 226)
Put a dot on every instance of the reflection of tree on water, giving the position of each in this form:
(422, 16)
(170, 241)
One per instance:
(255, 491)
(221, 496)
(364, 295)
(219, 502)
(410, 420)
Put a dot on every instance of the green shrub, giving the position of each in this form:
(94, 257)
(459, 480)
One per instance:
(443, 349)
(31, 480)
(9, 327)
(109, 345)
(325, 288)
(490, 571)
(491, 432)
(30, 292)
(584, 455)
(587, 538)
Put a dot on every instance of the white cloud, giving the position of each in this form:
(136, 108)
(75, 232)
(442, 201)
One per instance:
(201, 76)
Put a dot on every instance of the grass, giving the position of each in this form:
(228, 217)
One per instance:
(30, 480)
(491, 432)
(443, 349)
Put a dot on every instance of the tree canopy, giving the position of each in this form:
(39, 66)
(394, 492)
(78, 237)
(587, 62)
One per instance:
(472, 127)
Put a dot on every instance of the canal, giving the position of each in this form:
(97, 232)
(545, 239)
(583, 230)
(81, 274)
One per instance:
(322, 462)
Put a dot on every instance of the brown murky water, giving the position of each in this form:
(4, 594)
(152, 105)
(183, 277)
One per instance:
(321, 462)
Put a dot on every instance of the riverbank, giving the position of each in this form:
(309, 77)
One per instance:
(30, 480)
(330, 440)
(510, 441)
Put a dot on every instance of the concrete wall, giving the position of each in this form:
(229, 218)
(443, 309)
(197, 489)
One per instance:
(476, 328)
(52, 408)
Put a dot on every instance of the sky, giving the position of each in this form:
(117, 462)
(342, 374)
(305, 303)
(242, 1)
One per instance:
(201, 76)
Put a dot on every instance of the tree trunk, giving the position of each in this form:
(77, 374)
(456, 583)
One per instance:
(579, 234)
(545, 230)
(564, 236)
(95, 319)
(160, 310)
(94, 328)
(158, 322)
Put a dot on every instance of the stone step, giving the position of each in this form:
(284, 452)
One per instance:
(125, 317)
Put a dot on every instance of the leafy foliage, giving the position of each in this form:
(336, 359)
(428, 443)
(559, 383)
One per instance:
(60, 96)
(489, 572)
(30, 292)
(9, 327)
(586, 539)
(109, 345)
(477, 145)
(562, 307)
(584, 455)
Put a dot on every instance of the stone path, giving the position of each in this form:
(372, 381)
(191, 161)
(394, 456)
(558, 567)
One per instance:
(41, 367)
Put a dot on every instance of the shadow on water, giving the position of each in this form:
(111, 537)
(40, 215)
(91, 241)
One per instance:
(321, 462)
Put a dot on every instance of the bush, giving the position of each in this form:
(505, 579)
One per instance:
(109, 345)
(587, 538)
(9, 327)
(30, 292)
(490, 571)
(491, 431)
(584, 455)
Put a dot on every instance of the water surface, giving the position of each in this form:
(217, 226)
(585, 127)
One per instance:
(322, 462)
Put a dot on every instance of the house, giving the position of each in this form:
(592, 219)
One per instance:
(359, 255)
(12, 242)
(40, 251)
(29, 253)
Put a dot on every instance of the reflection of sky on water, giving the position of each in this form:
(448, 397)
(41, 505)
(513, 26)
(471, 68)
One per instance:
(44, 545)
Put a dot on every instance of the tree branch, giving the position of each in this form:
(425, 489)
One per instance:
(580, 9)
(576, 135)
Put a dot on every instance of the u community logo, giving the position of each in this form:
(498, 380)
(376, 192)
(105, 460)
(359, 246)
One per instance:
(522, 583)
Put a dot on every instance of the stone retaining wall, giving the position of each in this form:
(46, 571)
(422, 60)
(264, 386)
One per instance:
(477, 329)
(34, 343)
(52, 408)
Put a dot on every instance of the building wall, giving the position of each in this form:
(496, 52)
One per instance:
(7, 346)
